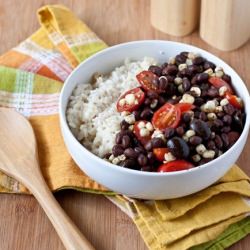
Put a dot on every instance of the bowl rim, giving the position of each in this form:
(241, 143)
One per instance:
(64, 124)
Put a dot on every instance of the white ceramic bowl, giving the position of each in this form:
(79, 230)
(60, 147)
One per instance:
(147, 185)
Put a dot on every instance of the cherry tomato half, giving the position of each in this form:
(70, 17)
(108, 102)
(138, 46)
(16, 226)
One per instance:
(146, 78)
(177, 165)
(184, 107)
(234, 101)
(123, 105)
(167, 116)
(142, 139)
(159, 153)
(218, 82)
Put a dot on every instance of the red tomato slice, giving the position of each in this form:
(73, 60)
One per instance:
(177, 165)
(139, 97)
(166, 116)
(159, 153)
(146, 78)
(218, 82)
(184, 107)
(142, 139)
(234, 101)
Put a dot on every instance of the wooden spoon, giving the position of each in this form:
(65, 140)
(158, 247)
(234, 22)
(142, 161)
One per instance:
(18, 158)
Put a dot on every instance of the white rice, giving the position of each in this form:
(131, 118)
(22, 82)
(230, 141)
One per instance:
(91, 112)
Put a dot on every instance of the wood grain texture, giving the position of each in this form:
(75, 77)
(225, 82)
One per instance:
(23, 225)
(17, 139)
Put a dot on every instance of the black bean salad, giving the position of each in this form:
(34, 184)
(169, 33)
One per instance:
(184, 114)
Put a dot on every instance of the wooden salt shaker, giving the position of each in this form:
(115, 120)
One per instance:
(225, 24)
(175, 17)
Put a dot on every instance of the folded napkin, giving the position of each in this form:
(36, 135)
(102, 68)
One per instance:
(31, 77)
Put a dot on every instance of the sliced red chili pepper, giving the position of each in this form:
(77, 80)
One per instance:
(159, 153)
(123, 105)
(218, 82)
(148, 81)
(177, 165)
(142, 139)
(233, 99)
(168, 116)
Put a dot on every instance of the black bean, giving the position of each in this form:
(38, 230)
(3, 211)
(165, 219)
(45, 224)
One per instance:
(170, 78)
(204, 86)
(137, 114)
(195, 140)
(227, 78)
(146, 114)
(220, 114)
(238, 120)
(155, 69)
(184, 53)
(186, 117)
(107, 155)
(229, 109)
(164, 65)
(204, 161)
(179, 59)
(233, 136)
(129, 163)
(180, 131)
(148, 146)
(209, 65)
(161, 100)
(127, 132)
(198, 60)
(201, 128)
(169, 132)
(152, 94)
(117, 150)
(197, 114)
(186, 84)
(212, 92)
(139, 150)
(171, 89)
(211, 145)
(227, 119)
(147, 101)
(157, 143)
(218, 141)
(124, 125)
(193, 69)
(202, 77)
(178, 147)
(118, 138)
(142, 159)
(185, 72)
(131, 153)
(151, 157)
(163, 84)
(199, 101)
(136, 142)
(155, 82)
(126, 142)
(203, 116)
(171, 69)
(194, 80)
(225, 140)
(226, 129)
(218, 123)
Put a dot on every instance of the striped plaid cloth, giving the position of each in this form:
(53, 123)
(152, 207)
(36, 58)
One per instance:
(31, 77)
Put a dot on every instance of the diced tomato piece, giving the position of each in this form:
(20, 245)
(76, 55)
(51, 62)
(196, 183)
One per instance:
(167, 116)
(159, 153)
(147, 79)
(218, 82)
(233, 99)
(184, 107)
(177, 165)
(142, 139)
(137, 96)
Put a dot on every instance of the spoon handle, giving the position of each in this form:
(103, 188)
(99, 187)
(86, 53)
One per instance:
(70, 235)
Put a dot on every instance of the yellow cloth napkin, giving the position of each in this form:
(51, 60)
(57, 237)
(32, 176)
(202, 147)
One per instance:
(31, 77)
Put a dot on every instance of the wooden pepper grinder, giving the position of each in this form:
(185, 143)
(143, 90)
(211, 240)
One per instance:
(175, 17)
(225, 24)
